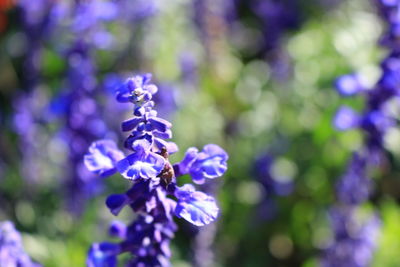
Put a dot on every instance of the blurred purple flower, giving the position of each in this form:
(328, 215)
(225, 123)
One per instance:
(195, 206)
(210, 163)
(102, 158)
(102, 255)
(353, 243)
(354, 187)
(137, 10)
(348, 85)
(141, 165)
(272, 185)
(346, 118)
(12, 253)
(39, 20)
(82, 124)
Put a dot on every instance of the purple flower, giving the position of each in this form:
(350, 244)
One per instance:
(11, 249)
(154, 179)
(210, 163)
(354, 186)
(348, 85)
(88, 22)
(117, 202)
(195, 206)
(103, 255)
(102, 158)
(353, 243)
(346, 118)
(141, 165)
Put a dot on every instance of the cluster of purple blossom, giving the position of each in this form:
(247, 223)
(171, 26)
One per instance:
(38, 20)
(76, 105)
(353, 241)
(154, 179)
(354, 187)
(12, 252)
(376, 118)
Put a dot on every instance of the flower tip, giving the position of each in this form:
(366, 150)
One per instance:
(348, 85)
(345, 119)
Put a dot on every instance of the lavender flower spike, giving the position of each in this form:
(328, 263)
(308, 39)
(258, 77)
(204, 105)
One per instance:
(353, 244)
(153, 181)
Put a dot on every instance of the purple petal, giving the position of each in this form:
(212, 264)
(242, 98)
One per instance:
(187, 161)
(164, 135)
(210, 163)
(102, 157)
(139, 111)
(137, 166)
(123, 94)
(143, 144)
(215, 150)
(348, 85)
(195, 207)
(185, 191)
(152, 89)
(172, 148)
(103, 255)
(117, 202)
(130, 124)
(160, 124)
